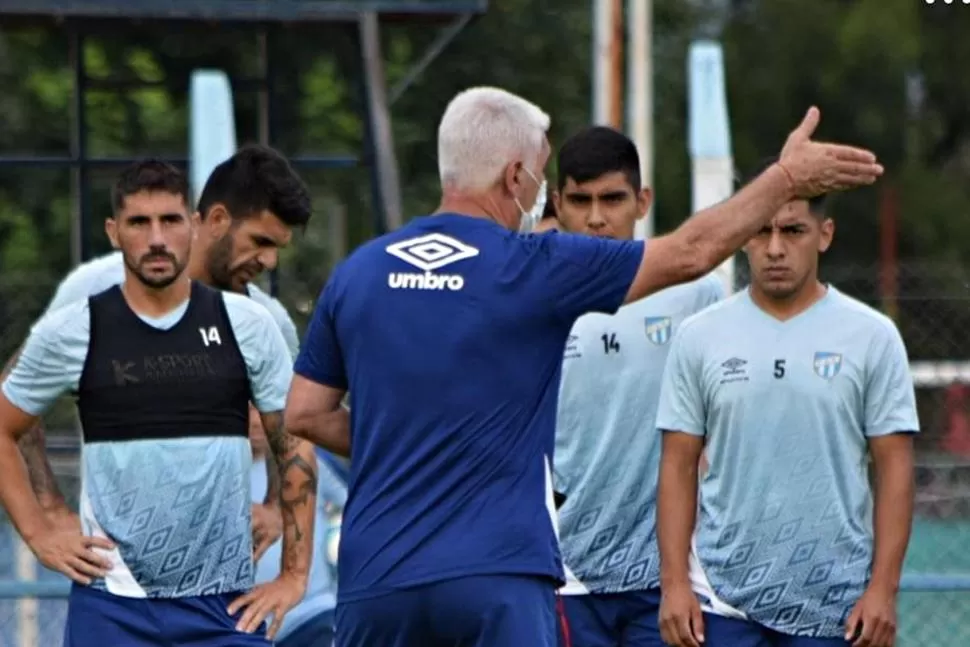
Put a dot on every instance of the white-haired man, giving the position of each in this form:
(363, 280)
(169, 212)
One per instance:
(449, 333)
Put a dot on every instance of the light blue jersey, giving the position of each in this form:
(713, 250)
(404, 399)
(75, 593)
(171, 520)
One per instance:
(178, 509)
(321, 593)
(99, 274)
(607, 452)
(784, 532)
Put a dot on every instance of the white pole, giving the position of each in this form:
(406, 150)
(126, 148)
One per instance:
(710, 135)
(640, 100)
(602, 36)
(26, 566)
(212, 126)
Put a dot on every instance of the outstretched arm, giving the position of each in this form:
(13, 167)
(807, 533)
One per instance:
(806, 169)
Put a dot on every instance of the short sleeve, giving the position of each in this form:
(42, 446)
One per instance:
(288, 328)
(715, 290)
(52, 360)
(586, 274)
(261, 343)
(280, 316)
(682, 405)
(88, 279)
(320, 358)
(890, 397)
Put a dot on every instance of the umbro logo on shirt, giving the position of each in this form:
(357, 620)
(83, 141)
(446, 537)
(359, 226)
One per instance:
(428, 253)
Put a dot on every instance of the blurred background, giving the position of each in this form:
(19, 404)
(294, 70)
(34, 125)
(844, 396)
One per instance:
(352, 92)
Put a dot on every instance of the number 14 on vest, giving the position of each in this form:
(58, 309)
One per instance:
(210, 336)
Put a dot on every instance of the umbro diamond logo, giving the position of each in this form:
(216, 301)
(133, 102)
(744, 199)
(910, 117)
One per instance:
(428, 253)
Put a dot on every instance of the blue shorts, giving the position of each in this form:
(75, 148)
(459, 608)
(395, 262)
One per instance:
(610, 620)
(98, 619)
(315, 632)
(476, 611)
(732, 632)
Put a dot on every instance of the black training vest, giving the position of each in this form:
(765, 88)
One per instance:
(142, 383)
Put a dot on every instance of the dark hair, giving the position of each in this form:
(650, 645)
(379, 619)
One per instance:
(816, 205)
(593, 152)
(148, 175)
(256, 179)
(549, 210)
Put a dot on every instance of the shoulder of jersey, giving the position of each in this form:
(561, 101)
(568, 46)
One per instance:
(109, 268)
(713, 313)
(713, 284)
(867, 314)
(68, 315)
(704, 287)
(246, 304)
(261, 297)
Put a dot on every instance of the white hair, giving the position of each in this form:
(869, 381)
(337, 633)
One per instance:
(482, 131)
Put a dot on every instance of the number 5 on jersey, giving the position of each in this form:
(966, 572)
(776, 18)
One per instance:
(210, 336)
(779, 369)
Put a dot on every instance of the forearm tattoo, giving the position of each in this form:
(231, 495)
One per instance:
(272, 480)
(33, 447)
(298, 488)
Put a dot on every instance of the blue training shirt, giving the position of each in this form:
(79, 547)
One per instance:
(178, 510)
(449, 334)
(784, 531)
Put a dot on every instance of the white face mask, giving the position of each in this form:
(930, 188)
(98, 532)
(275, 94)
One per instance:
(530, 219)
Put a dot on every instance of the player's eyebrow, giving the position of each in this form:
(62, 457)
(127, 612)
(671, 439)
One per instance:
(792, 225)
(581, 194)
(614, 194)
(265, 241)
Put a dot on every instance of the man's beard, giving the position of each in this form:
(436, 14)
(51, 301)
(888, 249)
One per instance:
(218, 260)
(154, 282)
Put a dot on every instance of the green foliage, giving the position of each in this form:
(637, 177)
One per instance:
(850, 58)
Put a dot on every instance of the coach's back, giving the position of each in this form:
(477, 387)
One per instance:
(451, 333)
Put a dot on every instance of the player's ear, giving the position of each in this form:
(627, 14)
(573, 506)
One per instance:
(557, 202)
(644, 200)
(196, 220)
(111, 229)
(511, 180)
(827, 234)
(219, 220)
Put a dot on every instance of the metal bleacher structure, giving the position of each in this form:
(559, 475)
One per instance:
(32, 604)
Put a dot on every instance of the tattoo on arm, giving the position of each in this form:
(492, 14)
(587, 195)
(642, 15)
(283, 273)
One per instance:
(272, 480)
(298, 489)
(33, 448)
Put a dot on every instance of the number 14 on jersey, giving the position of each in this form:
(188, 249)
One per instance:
(609, 343)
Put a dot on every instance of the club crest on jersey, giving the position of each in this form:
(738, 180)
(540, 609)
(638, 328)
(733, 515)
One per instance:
(827, 365)
(658, 329)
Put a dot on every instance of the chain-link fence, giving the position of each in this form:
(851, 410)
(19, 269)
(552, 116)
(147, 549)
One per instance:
(931, 305)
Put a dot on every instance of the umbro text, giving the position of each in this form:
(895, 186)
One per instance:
(426, 281)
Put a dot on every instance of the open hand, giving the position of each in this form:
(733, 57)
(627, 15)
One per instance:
(816, 168)
(274, 598)
(71, 553)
